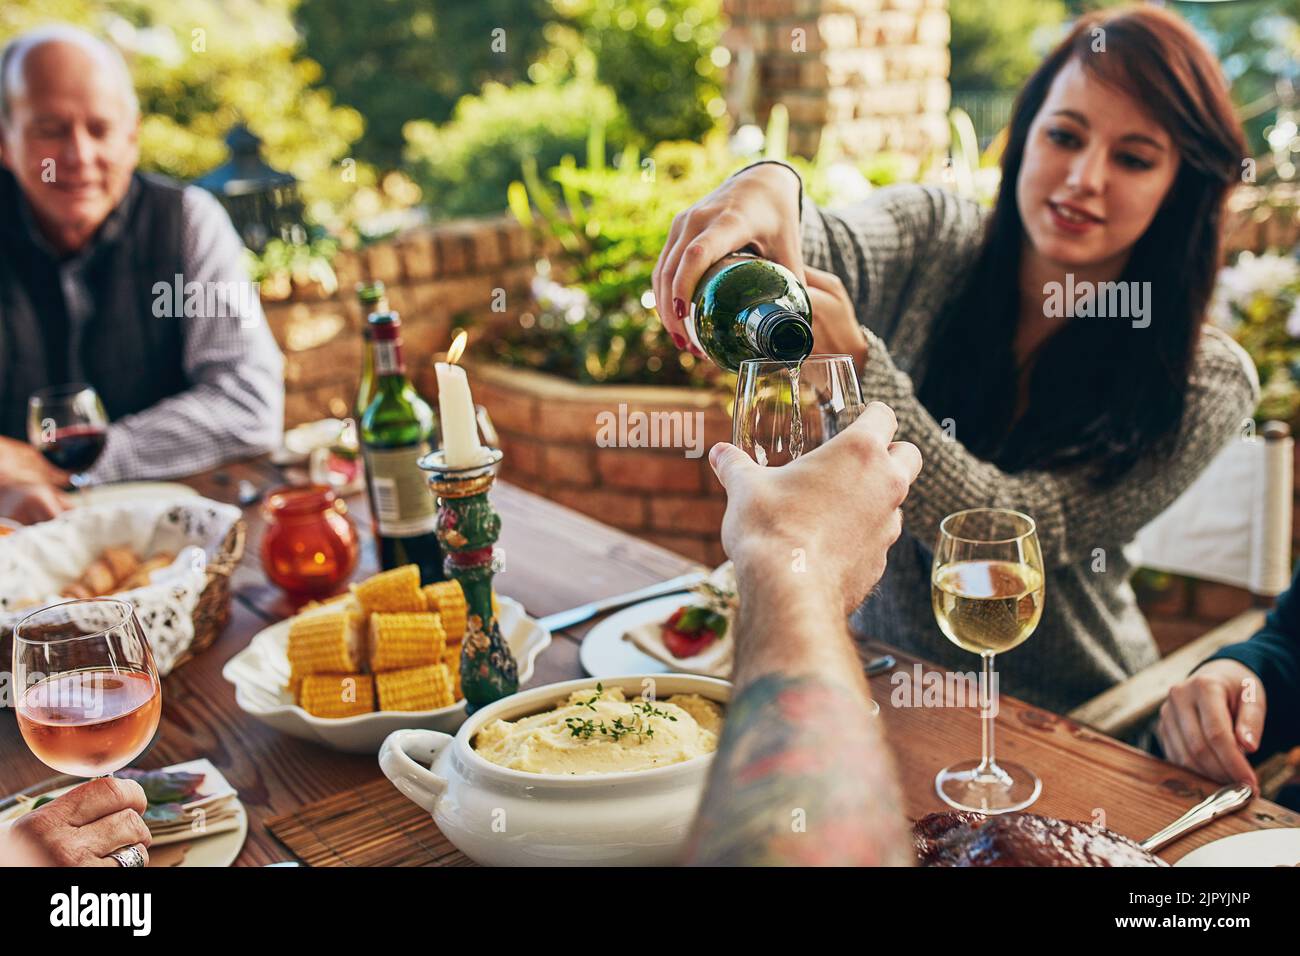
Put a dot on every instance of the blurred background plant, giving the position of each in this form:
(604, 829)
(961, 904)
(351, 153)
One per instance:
(605, 222)
(201, 65)
(1257, 300)
(398, 112)
(594, 318)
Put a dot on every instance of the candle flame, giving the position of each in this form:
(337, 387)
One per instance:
(457, 347)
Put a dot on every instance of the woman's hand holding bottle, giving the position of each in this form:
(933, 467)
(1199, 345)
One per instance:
(759, 207)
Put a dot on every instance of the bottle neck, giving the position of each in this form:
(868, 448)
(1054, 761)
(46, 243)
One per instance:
(777, 333)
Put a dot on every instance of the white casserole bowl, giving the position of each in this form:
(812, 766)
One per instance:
(261, 670)
(502, 817)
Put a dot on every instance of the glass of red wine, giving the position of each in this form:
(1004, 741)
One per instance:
(68, 425)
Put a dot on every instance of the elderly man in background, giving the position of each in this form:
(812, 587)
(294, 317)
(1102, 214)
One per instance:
(85, 240)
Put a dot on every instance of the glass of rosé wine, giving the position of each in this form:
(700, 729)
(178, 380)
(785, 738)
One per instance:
(88, 694)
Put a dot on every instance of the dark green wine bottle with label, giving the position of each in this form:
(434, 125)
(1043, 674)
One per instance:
(750, 308)
(398, 428)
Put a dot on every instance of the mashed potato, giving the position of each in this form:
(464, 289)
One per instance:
(601, 731)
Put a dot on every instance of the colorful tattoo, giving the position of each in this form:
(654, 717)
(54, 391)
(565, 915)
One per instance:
(801, 778)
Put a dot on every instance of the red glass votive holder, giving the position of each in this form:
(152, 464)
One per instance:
(310, 546)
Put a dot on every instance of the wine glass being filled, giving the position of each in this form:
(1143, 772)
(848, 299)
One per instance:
(88, 694)
(783, 409)
(68, 425)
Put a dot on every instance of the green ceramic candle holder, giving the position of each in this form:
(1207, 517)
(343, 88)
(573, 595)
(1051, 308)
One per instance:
(468, 528)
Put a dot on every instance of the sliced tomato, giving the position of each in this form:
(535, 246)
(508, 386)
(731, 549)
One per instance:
(685, 643)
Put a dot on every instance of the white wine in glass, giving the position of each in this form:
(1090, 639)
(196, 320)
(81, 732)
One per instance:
(784, 410)
(986, 588)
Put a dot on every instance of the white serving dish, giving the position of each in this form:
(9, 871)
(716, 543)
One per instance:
(261, 670)
(502, 817)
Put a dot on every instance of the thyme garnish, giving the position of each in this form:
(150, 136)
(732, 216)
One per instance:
(637, 724)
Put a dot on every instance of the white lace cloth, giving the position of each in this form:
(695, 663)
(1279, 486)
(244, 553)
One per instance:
(37, 562)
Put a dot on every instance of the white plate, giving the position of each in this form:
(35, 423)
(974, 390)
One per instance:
(130, 491)
(1279, 846)
(219, 848)
(606, 652)
(261, 670)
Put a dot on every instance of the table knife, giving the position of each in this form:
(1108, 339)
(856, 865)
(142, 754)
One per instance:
(576, 615)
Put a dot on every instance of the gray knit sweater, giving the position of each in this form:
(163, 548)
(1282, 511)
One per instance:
(901, 254)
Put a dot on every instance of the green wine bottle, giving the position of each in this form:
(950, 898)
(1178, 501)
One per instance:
(372, 299)
(750, 308)
(397, 429)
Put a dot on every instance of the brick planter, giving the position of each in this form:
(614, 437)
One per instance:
(476, 272)
(549, 429)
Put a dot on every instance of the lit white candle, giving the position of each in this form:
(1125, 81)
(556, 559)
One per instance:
(459, 426)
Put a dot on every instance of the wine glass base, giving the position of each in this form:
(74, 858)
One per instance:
(1009, 787)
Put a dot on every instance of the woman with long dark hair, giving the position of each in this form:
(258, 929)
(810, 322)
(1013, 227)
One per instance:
(995, 338)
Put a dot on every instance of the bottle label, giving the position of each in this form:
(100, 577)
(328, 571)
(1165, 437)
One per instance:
(404, 505)
(388, 357)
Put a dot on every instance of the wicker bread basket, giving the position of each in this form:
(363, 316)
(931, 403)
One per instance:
(213, 610)
(185, 606)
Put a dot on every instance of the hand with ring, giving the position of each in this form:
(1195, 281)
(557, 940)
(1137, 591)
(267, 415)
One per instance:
(96, 824)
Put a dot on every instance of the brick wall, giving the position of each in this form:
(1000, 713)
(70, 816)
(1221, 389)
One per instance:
(549, 429)
(435, 278)
(871, 74)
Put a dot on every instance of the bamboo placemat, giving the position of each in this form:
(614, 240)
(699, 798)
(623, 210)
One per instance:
(373, 825)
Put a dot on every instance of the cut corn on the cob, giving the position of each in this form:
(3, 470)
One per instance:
(337, 695)
(392, 592)
(324, 643)
(405, 640)
(416, 688)
(451, 657)
(447, 598)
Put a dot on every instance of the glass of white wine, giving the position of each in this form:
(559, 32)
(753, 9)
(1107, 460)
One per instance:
(782, 410)
(986, 588)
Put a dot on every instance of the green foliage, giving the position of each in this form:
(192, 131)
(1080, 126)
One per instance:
(1257, 299)
(1258, 42)
(611, 221)
(307, 262)
(402, 60)
(996, 45)
(465, 166)
(200, 65)
(656, 55)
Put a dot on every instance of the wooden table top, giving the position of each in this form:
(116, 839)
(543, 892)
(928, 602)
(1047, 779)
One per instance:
(556, 558)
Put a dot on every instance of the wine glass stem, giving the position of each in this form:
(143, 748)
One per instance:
(987, 762)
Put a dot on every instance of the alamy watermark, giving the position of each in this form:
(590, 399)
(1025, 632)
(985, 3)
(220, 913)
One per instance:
(178, 298)
(1103, 300)
(658, 429)
(921, 688)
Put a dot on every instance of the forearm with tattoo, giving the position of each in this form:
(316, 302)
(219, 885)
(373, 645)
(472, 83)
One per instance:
(801, 778)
